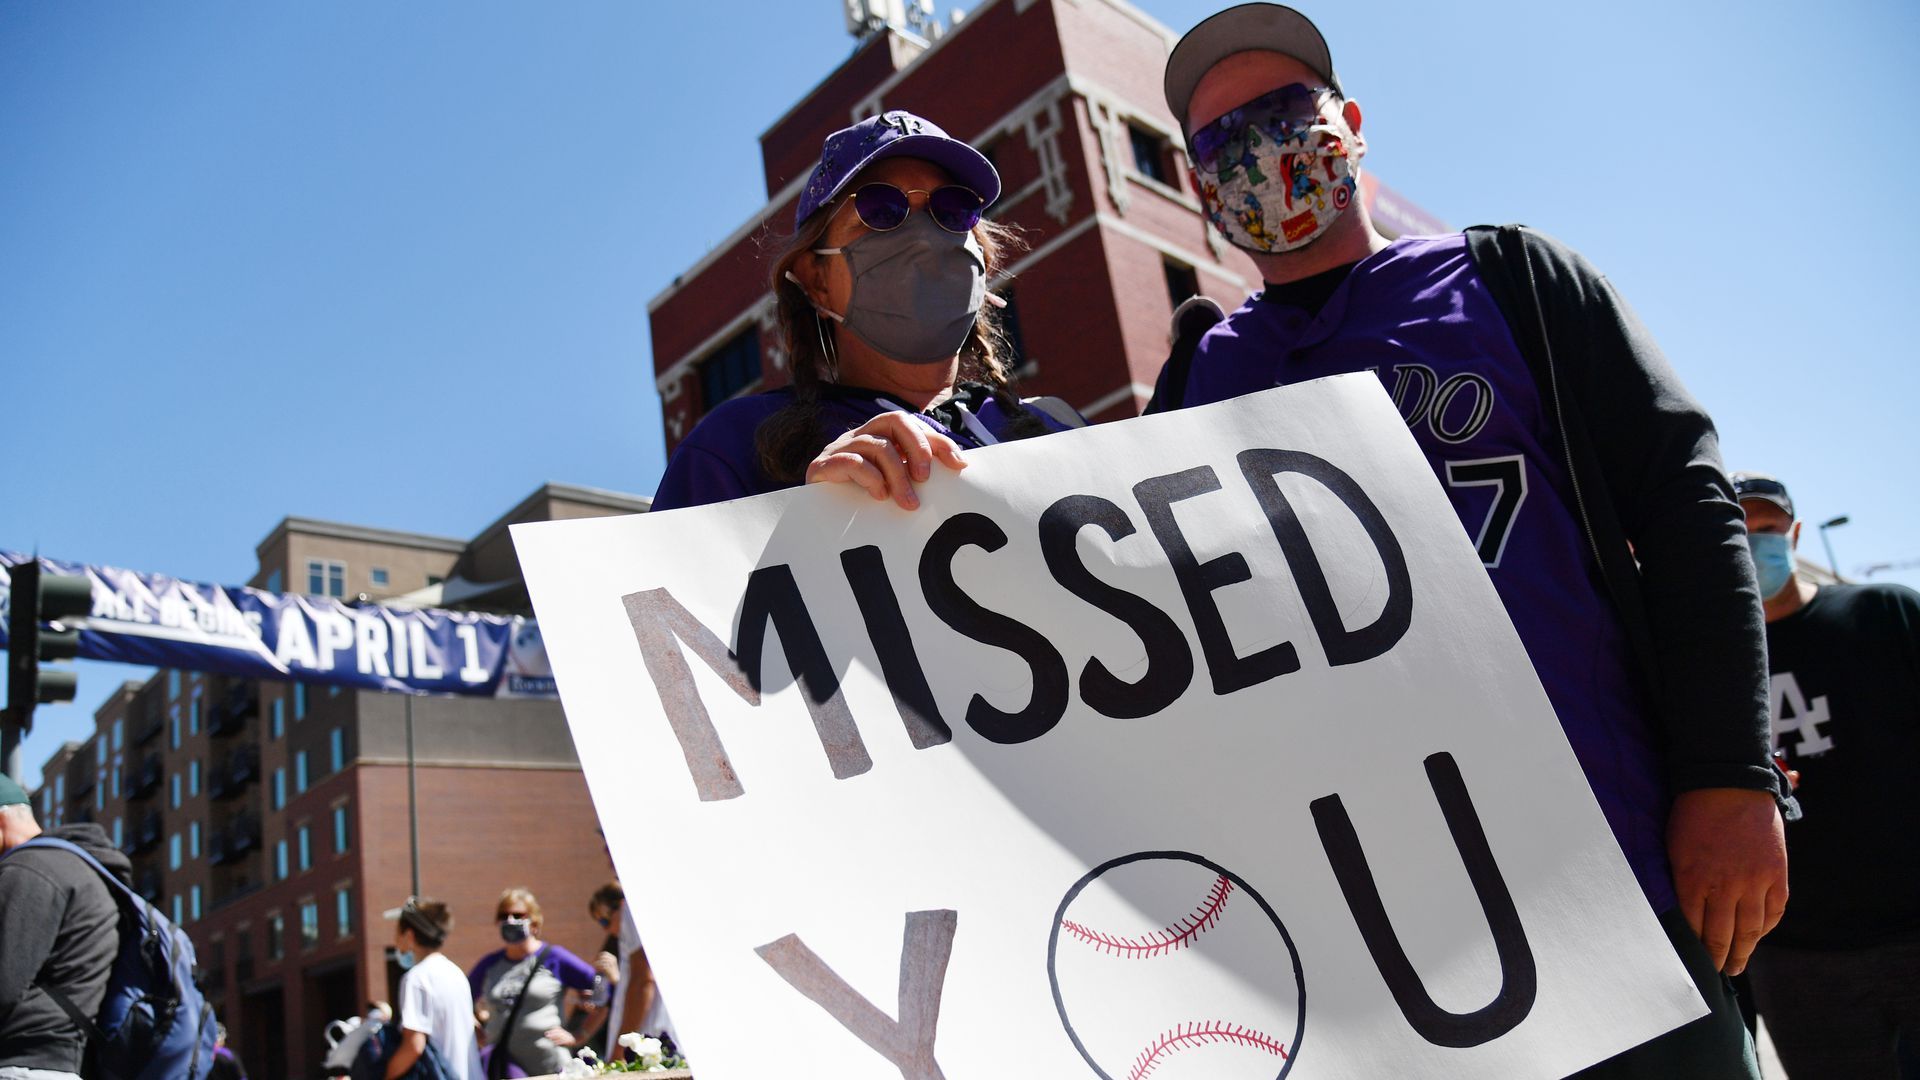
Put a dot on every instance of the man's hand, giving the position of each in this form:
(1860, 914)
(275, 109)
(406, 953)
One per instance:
(607, 966)
(1729, 856)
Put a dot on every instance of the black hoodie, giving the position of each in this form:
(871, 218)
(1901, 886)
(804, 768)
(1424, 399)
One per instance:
(59, 927)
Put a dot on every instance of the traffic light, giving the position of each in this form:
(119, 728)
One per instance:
(39, 597)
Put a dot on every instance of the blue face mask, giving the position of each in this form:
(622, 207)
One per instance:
(515, 931)
(404, 959)
(1772, 561)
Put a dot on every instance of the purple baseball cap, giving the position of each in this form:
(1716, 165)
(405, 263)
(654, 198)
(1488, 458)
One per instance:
(894, 133)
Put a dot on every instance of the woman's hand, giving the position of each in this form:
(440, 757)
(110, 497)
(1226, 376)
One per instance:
(607, 966)
(886, 456)
(560, 1037)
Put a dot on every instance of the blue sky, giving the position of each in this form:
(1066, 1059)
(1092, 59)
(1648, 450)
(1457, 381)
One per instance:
(389, 263)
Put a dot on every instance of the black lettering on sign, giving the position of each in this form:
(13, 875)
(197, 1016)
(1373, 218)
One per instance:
(866, 573)
(960, 611)
(1519, 981)
(906, 1042)
(1343, 646)
(772, 596)
(1198, 581)
(1169, 658)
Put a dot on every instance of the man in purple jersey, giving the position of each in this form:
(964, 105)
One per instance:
(1588, 478)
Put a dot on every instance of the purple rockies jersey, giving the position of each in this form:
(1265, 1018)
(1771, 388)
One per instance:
(1419, 316)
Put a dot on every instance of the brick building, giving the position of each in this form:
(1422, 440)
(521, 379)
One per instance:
(270, 819)
(1093, 172)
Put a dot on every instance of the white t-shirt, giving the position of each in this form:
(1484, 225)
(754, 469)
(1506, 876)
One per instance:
(656, 1020)
(435, 998)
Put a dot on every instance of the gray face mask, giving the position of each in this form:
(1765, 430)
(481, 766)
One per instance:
(917, 290)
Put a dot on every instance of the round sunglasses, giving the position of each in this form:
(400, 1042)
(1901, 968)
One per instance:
(883, 207)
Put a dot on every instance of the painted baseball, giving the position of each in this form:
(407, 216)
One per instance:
(1167, 965)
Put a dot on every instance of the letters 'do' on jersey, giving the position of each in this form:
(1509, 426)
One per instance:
(1197, 745)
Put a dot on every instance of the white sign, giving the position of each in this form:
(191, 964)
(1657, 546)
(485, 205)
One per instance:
(1194, 746)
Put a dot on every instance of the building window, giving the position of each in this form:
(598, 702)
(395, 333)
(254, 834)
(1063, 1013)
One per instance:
(279, 787)
(337, 749)
(306, 848)
(193, 713)
(274, 581)
(100, 749)
(379, 577)
(343, 911)
(177, 912)
(173, 781)
(340, 837)
(1149, 154)
(193, 777)
(60, 789)
(119, 837)
(279, 722)
(1182, 283)
(327, 577)
(193, 840)
(299, 701)
(173, 852)
(731, 368)
(119, 737)
(280, 861)
(173, 685)
(276, 937)
(309, 924)
(173, 726)
(193, 903)
(299, 771)
(100, 790)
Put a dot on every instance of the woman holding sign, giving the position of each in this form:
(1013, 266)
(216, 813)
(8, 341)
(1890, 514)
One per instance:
(897, 357)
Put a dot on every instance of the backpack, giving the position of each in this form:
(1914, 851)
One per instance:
(154, 1024)
(369, 1060)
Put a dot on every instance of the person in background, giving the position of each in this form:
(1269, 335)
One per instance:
(58, 935)
(519, 989)
(637, 1005)
(1838, 981)
(897, 356)
(435, 1006)
(225, 1065)
(1588, 475)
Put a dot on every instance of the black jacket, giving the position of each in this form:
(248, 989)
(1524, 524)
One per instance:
(59, 927)
(1661, 518)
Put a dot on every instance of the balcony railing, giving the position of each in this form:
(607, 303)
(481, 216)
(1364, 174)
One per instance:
(147, 727)
(229, 715)
(232, 775)
(148, 886)
(147, 836)
(234, 840)
(143, 779)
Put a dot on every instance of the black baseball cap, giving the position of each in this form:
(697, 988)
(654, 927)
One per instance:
(1753, 485)
(1245, 28)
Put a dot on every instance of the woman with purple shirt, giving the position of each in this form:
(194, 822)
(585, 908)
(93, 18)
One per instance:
(517, 992)
(896, 352)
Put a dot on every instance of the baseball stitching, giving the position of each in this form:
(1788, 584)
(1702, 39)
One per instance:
(1178, 936)
(1188, 1036)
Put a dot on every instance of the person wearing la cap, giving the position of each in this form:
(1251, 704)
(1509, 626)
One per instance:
(1838, 981)
(57, 936)
(1622, 564)
(890, 334)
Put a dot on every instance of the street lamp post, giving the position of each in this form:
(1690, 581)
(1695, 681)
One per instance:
(1832, 523)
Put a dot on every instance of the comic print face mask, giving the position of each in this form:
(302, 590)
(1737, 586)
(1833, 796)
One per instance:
(1275, 174)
